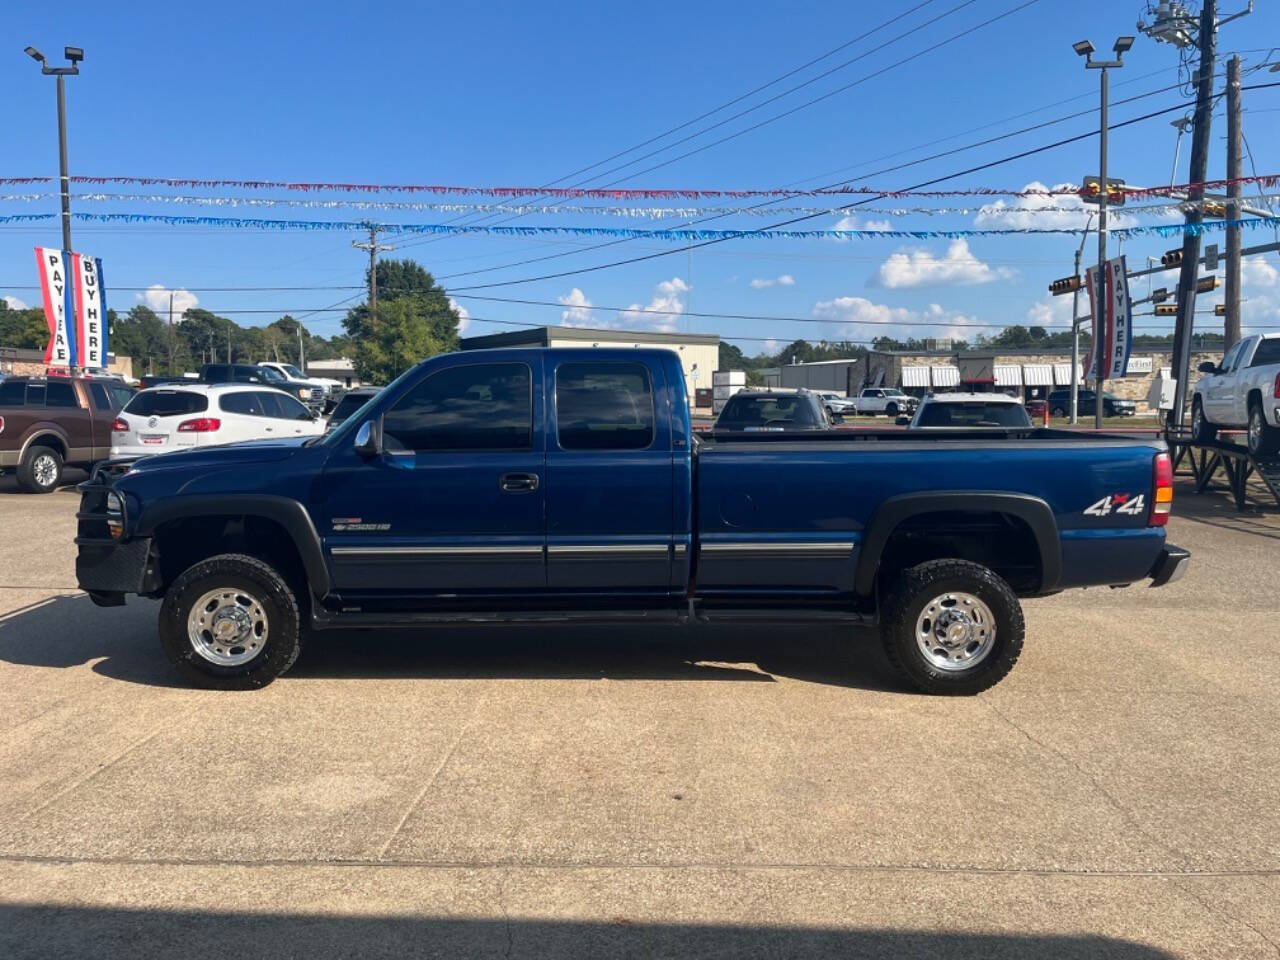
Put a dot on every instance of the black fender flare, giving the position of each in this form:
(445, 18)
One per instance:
(1033, 511)
(290, 514)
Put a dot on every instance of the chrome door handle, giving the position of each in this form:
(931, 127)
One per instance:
(518, 482)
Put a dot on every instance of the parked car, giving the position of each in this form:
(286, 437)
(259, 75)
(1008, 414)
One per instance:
(1087, 405)
(200, 414)
(313, 395)
(1242, 391)
(1036, 409)
(968, 410)
(530, 484)
(48, 423)
(333, 389)
(772, 411)
(836, 404)
(351, 401)
(887, 400)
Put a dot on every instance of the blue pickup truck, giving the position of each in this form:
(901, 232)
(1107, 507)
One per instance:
(567, 485)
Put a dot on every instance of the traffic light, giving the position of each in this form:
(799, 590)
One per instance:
(1206, 284)
(1065, 285)
(1220, 310)
(1160, 295)
(1172, 258)
(1166, 310)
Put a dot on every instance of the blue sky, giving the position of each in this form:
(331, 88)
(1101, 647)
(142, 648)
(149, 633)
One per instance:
(523, 95)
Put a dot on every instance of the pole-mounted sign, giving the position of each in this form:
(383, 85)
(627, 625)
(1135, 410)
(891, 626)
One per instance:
(1117, 326)
(74, 307)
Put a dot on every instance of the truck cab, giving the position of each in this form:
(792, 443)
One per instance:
(1243, 391)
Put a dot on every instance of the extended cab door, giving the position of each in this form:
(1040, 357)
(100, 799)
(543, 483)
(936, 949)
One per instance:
(453, 506)
(610, 478)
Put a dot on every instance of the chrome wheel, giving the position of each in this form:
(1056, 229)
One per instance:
(1255, 428)
(45, 470)
(227, 627)
(955, 631)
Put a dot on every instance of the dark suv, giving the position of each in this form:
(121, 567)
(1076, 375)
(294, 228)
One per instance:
(313, 397)
(1112, 406)
(47, 423)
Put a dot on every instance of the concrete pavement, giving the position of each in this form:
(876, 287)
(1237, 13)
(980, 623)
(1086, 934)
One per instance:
(647, 792)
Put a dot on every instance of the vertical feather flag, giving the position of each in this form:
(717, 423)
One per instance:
(55, 289)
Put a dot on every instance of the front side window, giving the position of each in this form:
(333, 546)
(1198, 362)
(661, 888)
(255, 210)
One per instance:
(1228, 362)
(604, 406)
(483, 406)
(288, 408)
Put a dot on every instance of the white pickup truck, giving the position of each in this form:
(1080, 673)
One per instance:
(1242, 391)
(887, 400)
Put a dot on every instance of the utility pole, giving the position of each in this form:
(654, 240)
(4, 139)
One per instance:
(1195, 214)
(1235, 136)
(171, 358)
(1075, 328)
(373, 247)
(302, 359)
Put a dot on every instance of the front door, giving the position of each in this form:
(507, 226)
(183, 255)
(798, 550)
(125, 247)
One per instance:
(610, 501)
(452, 509)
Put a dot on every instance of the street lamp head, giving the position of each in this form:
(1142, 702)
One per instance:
(76, 54)
(1122, 45)
(1084, 48)
(35, 54)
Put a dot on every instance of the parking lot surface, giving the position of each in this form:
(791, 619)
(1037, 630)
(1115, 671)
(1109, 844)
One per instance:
(648, 791)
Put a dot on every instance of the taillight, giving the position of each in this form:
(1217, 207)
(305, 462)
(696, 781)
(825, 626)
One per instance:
(200, 425)
(119, 426)
(1, 424)
(1277, 392)
(1163, 501)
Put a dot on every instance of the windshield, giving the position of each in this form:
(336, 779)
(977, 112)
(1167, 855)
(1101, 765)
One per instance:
(293, 371)
(743, 412)
(272, 375)
(973, 415)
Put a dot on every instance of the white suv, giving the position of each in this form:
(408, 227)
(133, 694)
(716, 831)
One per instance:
(179, 416)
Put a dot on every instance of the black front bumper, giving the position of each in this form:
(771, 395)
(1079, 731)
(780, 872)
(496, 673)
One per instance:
(1169, 566)
(108, 568)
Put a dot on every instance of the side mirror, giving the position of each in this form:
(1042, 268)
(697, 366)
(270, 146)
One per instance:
(903, 421)
(1208, 367)
(366, 443)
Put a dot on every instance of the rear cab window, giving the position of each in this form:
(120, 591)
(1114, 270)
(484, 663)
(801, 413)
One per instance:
(604, 406)
(744, 412)
(61, 394)
(973, 415)
(1268, 352)
(167, 403)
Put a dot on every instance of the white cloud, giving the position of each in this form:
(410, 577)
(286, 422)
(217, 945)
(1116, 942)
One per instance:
(853, 223)
(464, 315)
(1060, 211)
(662, 311)
(157, 298)
(862, 319)
(1051, 312)
(1256, 272)
(14, 303)
(579, 312)
(785, 280)
(920, 268)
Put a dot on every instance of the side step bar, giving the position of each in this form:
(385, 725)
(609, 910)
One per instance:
(353, 619)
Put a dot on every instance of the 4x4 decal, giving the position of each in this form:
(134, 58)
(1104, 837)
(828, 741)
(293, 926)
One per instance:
(1125, 503)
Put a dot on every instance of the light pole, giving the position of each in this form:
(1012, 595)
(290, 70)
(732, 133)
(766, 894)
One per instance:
(74, 55)
(1085, 49)
(1075, 329)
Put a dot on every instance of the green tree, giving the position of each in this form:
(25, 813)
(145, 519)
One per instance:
(415, 320)
(23, 328)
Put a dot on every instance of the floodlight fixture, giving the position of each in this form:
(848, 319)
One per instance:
(1084, 48)
(74, 54)
(34, 54)
(1122, 45)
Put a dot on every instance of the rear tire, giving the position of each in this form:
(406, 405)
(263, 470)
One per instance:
(231, 622)
(40, 470)
(952, 627)
(1264, 440)
(1202, 431)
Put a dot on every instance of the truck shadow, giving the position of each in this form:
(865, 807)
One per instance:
(68, 631)
(39, 930)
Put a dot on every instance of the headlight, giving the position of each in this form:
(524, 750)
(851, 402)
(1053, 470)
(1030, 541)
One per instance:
(114, 503)
(303, 393)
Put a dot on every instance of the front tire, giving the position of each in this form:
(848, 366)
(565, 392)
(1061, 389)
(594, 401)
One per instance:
(891, 410)
(231, 622)
(1057, 413)
(952, 627)
(40, 470)
(1201, 429)
(1263, 439)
